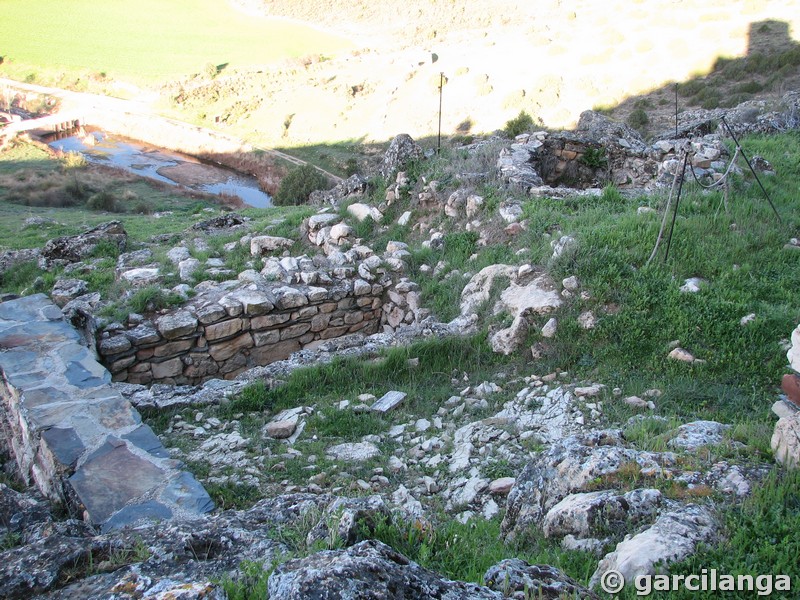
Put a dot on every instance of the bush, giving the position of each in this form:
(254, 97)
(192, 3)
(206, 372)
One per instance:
(103, 201)
(638, 118)
(297, 186)
(519, 124)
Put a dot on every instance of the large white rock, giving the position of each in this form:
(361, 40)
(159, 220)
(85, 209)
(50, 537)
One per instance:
(786, 440)
(263, 244)
(794, 352)
(673, 537)
(477, 291)
(594, 514)
(539, 296)
(353, 452)
(362, 211)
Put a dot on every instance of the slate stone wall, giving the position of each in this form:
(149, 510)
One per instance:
(222, 333)
(73, 435)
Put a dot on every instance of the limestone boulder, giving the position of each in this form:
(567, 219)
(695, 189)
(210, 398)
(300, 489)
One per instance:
(369, 569)
(601, 513)
(353, 451)
(697, 434)
(786, 440)
(794, 351)
(673, 537)
(265, 244)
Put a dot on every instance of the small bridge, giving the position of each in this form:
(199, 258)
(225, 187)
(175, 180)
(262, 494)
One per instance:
(55, 123)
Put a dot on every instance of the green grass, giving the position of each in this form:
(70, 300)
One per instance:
(346, 378)
(147, 40)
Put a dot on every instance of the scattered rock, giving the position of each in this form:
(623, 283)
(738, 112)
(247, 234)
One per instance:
(550, 328)
(501, 486)
(682, 355)
(264, 244)
(786, 441)
(692, 285)
(362, 211)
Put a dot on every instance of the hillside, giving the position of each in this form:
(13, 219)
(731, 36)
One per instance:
(536, 363)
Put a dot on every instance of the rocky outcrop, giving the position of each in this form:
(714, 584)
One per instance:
(71, 434)
(673, 537)
(74, 248)
(526, 292)
(370, 569)
(570, 466)
(352, 187)
(518, 580)
(402, 151)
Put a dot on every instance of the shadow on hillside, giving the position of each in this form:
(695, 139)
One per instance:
(769, 69)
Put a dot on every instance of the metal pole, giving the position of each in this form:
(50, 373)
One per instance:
(752, 170)
(676, 111)
(677, 201)
(441, 86)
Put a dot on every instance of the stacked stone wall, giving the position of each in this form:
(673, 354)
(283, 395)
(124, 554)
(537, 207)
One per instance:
(221, 334)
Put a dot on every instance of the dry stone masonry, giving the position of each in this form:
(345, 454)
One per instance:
(227, 330)
(73, 435)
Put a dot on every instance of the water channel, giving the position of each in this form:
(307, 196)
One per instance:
(164, 165)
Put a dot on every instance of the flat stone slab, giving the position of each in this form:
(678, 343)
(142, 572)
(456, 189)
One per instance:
(76, 437)
(388, 401)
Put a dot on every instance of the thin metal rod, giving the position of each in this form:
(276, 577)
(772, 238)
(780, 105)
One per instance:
(677, 202)
(441, 86)
(676, 111)
(752, 170)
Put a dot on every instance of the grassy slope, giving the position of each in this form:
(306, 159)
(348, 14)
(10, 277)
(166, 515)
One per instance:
(146, 40)
(740, 254)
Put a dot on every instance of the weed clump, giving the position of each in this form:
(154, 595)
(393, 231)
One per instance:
(297, 186)
(519, 124)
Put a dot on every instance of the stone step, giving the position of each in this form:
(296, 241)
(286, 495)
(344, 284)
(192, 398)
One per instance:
(75, 437)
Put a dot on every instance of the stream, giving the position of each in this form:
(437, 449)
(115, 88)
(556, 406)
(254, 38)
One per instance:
(164, 165)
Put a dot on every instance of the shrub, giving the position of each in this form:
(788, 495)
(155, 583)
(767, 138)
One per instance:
(638, 118)
(73, 160)
(143, 207)
(351, 167)
(297, 186)
(103, 201)
(519, 124)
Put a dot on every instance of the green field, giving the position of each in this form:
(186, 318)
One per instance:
(148, 39)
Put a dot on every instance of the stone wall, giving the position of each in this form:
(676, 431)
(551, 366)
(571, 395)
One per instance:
(73, 435)
(221, 333)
